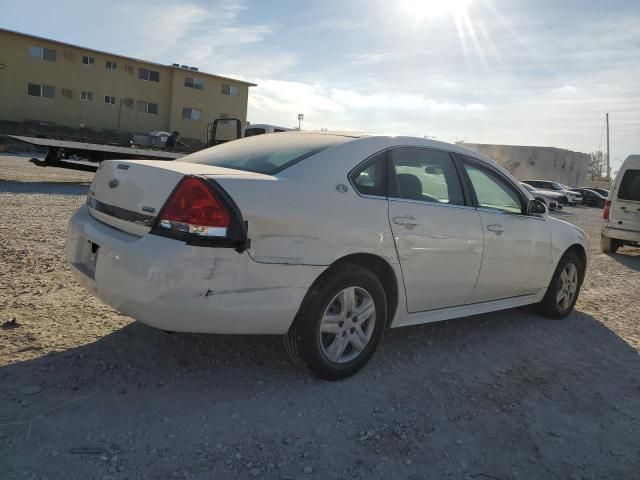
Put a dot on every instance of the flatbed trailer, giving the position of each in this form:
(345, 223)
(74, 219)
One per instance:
(59, 151)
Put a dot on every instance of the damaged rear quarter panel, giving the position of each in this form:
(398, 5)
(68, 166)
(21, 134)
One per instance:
(299, 217)
(293, 225)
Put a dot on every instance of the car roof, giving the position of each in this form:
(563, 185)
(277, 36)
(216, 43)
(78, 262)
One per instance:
(396, 140)
(630, 162)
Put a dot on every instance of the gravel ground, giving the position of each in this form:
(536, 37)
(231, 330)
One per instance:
(85, 393)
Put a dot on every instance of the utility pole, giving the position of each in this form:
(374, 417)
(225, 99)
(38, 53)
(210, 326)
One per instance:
(608, 152)
(300, 118)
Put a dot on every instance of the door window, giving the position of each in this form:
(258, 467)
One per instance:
(492, 191)
(425, 175)
(630, 186)
(370, 179)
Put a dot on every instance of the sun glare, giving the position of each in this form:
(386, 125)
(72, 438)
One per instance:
(422, 9)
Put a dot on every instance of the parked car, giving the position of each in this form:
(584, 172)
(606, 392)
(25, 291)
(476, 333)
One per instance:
(572, 198)
(550, 199)
(590, 197)
(602, 191)
(327, 239)
(622, 210)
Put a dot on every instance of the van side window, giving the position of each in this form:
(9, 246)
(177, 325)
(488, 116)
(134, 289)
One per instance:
(630, 186)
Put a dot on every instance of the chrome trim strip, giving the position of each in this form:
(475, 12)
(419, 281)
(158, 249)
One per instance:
(120, 213)
(433, 204)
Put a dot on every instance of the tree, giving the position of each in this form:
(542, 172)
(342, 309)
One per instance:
(596, 164)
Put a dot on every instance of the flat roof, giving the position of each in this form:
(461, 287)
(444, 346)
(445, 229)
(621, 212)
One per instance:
(125, 57)
(518, 146)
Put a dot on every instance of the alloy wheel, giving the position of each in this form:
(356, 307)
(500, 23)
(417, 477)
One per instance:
(567, 286)
(347, 325)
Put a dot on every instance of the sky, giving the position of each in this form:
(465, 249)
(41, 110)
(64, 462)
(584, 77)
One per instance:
(523, 72)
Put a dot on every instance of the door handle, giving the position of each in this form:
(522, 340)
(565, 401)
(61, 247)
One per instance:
(496, 228)
(406, 220)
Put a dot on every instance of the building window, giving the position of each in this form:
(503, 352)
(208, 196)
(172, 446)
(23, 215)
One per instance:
(88, 60)
(110, 99)
(86, 96)
(191, 82)
(111, 65)
(44, 91)
(150, 75)
(191, 113)
(42, 53)
(229, 90)
(147, 107)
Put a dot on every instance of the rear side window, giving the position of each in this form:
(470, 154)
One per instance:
(426, 175)
(630, 186)
(371, 178)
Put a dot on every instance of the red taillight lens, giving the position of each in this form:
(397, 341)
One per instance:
(607, 210)
(193, 207)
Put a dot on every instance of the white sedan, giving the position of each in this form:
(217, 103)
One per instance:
(326, 238)
(550, 199)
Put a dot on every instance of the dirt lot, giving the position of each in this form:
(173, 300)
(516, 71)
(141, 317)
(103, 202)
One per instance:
(85, 393)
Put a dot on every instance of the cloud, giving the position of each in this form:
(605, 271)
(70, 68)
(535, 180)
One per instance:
(192, 34)
(156, 31)
(330, 24)
(279, 102)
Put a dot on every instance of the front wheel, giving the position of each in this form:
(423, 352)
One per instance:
(564, 288)
(340, 323)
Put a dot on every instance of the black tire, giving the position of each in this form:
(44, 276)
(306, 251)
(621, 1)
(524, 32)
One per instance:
(609, 245)
(302, 341)
(549, 306)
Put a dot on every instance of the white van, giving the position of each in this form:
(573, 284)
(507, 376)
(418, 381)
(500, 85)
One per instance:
(622, 210)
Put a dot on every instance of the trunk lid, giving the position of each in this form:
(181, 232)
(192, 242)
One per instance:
(128, 194)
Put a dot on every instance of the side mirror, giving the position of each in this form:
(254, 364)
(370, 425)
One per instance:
(536, 207)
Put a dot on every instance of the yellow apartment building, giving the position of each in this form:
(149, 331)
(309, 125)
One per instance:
(52, 82)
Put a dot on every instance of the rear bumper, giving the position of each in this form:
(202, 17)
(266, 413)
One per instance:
(621, 234)
(172, 286)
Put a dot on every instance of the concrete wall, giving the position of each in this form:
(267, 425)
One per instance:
(18, 68)
(538, 163)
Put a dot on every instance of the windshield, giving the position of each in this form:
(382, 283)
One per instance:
(528, 187)
(268, 154)
(557, 186)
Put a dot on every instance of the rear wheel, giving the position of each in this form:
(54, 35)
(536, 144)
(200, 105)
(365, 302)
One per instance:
(340, 323)
(609, 245)
(564, 288)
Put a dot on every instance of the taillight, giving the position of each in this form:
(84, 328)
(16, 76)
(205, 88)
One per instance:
(607, 210)
(194, 208)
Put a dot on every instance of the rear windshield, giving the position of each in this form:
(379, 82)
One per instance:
(630, 186)
(267, 154)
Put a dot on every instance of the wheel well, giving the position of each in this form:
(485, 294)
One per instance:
(381, 269)
(580, 251)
